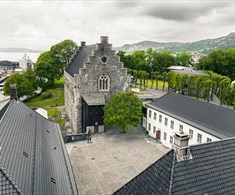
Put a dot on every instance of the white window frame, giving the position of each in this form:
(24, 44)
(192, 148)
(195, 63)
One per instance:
(199, 138)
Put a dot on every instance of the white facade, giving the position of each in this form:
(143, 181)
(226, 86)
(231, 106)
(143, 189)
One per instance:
(164, 126)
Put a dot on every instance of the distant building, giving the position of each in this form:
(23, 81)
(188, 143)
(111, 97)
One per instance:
(200, 169)
(187, 71)
(204, 122)
(33, 157)
(25, 63)
(91, 78)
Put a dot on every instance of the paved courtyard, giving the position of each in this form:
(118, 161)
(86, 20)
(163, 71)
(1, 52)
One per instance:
(112, 159)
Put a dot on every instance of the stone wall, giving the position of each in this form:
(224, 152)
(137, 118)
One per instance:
(101, 61)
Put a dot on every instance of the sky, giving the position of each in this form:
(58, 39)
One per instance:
(36, 24)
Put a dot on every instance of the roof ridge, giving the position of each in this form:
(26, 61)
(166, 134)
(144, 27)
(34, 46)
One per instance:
(10, 180)
(172, 173)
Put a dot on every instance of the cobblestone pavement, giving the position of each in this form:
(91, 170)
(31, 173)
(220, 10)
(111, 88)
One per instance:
(112, 159)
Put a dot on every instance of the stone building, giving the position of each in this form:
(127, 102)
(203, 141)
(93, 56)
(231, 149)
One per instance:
(92, 77)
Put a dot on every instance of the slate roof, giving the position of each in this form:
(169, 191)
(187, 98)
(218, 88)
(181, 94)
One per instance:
(81, 57)
(216, 120)
(210, 171)
(94, 99)
(33, 158)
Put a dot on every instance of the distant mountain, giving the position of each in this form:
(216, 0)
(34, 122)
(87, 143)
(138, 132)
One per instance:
(203, 46)
(19, 50)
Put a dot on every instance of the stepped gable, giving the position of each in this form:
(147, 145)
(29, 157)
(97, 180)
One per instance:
(81, 57)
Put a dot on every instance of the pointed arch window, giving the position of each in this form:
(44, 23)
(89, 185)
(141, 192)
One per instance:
(104, 82)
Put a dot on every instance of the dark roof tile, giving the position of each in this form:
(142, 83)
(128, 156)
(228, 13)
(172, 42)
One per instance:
(211, 170)
(81, 57)
(28, 155)
(211, 118)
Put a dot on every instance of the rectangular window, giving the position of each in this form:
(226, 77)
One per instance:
(171, 140)
(190, 133)
(154, 129)
(150, 112)
(160, 118)
(155, 116)
(149, 127)
(181, 128)
(165, 136)
(199, 138)
(209, 140)
(172, 124)
(166, 121)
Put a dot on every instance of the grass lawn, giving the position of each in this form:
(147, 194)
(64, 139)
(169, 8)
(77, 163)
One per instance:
(49, 104)
(55, 115)
(56, 99)
(160, 85)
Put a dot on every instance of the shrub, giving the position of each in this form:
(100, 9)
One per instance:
(45, 95)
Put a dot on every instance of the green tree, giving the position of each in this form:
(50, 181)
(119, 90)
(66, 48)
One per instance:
(25, 85)
(46, 69)
(223, 89)
(123, 110)
(164, 79)
(184, 59)
(63, 53)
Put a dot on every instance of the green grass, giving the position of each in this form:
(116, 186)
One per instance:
(160, 85)
(49, 104)
(55, 115)
(56, 99)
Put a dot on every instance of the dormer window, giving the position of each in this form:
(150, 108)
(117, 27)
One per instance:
(104, 83)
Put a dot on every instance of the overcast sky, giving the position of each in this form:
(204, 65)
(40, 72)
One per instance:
(41, 24)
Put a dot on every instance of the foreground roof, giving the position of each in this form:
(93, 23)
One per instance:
(33, 158)
(213, 119)
(81, 57)
(210, 171)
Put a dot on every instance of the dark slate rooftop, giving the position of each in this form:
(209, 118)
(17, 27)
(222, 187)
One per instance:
(210, 171)
(33, 158)
(81, 57)
(216, 120)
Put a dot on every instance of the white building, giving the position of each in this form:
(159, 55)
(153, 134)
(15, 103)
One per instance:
(204, 122)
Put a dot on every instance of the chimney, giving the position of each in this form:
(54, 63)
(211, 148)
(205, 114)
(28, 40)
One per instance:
(104, 39)
(83, 43)
(13, 92)
(181, 146)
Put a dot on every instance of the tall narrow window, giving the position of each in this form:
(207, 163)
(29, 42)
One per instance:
(104, 82)
(160, 118)
(199, 138)
(150, 112)
(172, 124)
(190, 133)
(166, 121)
(155, 116)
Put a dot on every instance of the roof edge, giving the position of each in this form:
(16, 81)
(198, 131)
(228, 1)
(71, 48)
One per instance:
(68, 164)
(11, 181)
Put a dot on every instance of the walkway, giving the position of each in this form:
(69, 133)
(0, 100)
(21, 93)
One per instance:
(112, 159)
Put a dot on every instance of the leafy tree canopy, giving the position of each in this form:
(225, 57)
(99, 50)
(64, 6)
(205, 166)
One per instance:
(47, 69)
(219, 61)
(50, 64)
(25, 83)
(123, 111)
(64, 52)
(184, 59)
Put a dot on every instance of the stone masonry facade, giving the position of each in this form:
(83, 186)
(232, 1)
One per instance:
(94, 70)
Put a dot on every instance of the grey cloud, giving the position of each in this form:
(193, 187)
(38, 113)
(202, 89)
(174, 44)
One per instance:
(182, 11)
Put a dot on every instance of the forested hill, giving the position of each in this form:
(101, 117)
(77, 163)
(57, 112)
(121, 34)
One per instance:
(203, 46)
